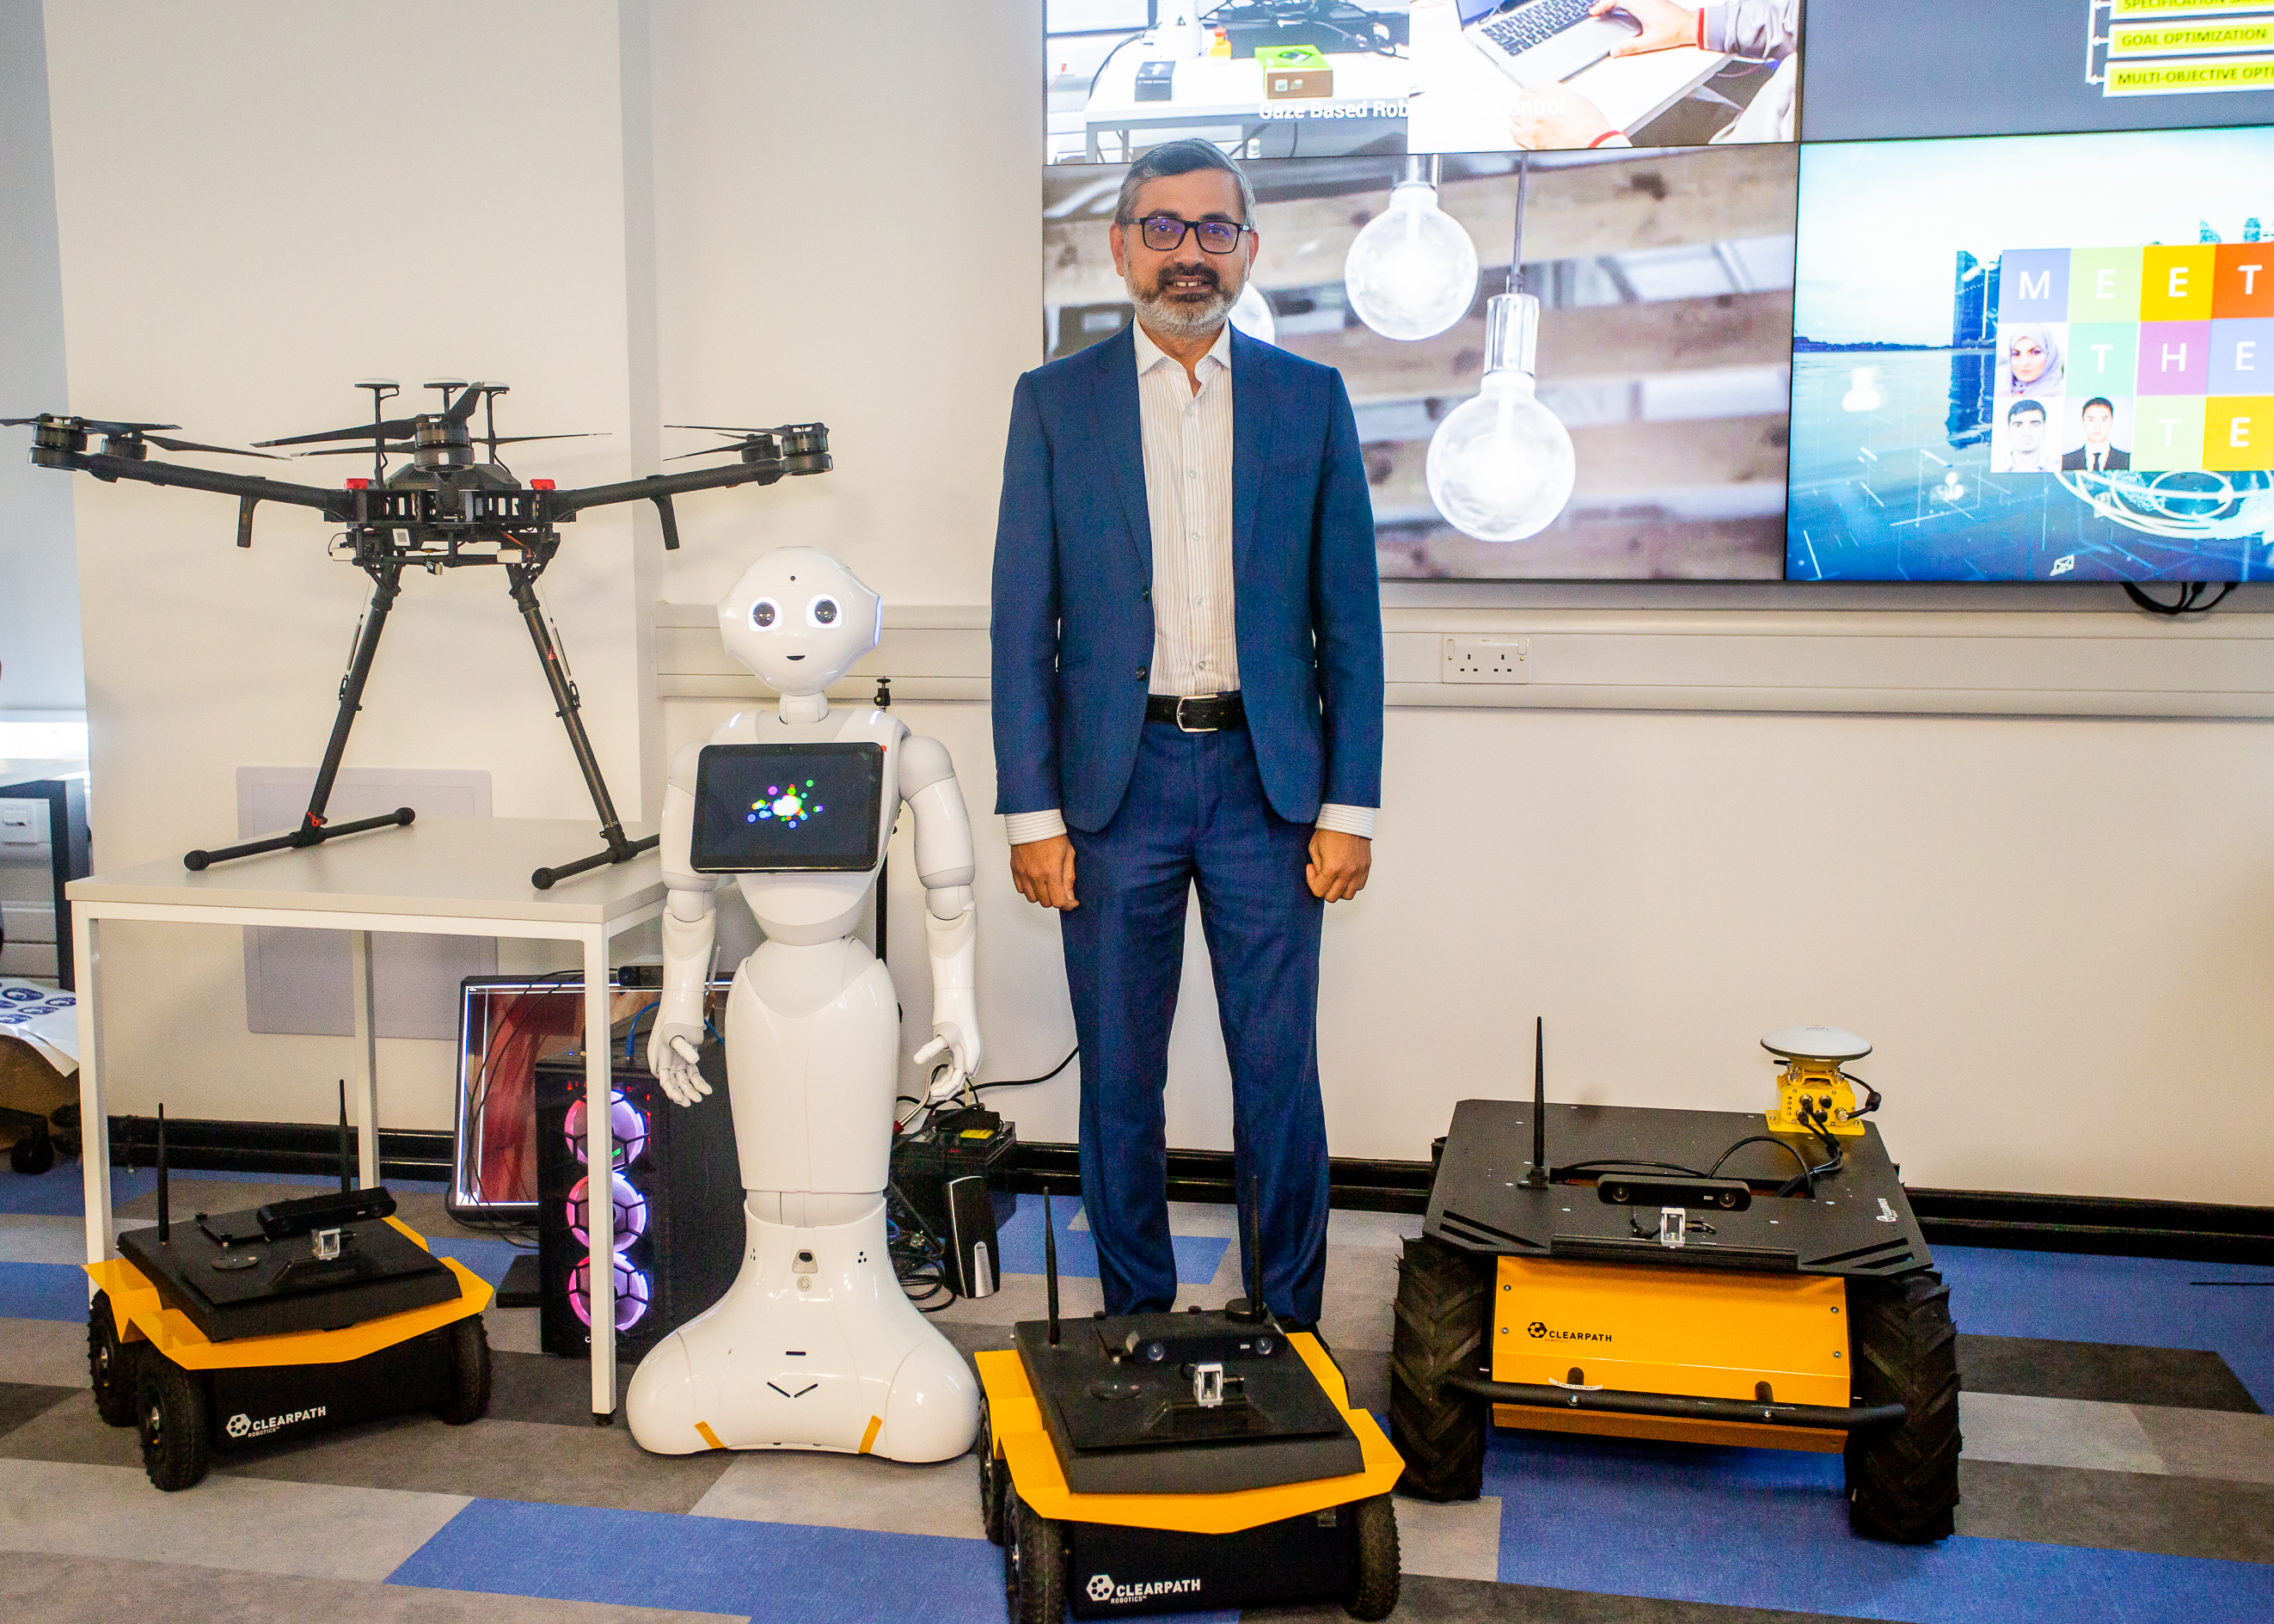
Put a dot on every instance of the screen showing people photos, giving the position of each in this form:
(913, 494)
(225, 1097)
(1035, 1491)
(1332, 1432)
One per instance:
(780, 808)
(1829, 289)
(2027, 382)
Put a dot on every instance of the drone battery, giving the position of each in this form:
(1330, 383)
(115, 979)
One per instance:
(977, 1265)
(1155, 81)
(1295, 72)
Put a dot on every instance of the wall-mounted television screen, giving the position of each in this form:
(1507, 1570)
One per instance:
(2035, 358)
(1877, 68)
(1665, 343)
(1331, 79)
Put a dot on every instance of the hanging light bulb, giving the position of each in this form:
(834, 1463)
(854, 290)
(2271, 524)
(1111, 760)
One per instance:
(1411, 273)
(1500, 466)
(1251, 315)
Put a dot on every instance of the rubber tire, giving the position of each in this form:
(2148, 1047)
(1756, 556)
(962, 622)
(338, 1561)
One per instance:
(32, 1154)
(174, 1421)
(994, 1477)
(1444, 1295)
(1034, 1566)
(469, 1345)
(1902, 1481)
(1374, 1571)
(113, 1367)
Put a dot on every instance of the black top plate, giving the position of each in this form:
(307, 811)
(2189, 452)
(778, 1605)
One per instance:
(1131, 1426)
(1859, 1223)
(379, 1271)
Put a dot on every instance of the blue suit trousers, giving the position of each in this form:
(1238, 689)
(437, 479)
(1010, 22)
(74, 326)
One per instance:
(1196, 814)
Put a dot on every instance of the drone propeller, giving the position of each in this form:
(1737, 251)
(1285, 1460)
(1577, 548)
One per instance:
(96, 425)
(715, 428)
(402, 449)
(515, 440)
(191, 445)
(393, 428)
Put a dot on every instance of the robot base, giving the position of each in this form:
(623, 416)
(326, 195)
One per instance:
(815, 1346)
(153, 1369)
(1107, 1555)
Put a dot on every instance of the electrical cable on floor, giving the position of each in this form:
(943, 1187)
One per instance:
(2190, 600)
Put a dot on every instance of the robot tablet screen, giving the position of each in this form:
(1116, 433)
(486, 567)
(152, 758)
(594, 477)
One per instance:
(768, 808)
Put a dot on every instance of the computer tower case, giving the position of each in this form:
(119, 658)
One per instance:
(678, 1190)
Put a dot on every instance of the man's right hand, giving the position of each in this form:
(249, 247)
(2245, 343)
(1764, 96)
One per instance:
(1665, 26)
(1044, 871)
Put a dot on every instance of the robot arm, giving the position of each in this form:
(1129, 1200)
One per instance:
(945, 864)
(690, 925)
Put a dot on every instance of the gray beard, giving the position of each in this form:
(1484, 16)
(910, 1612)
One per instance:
(1185, 318)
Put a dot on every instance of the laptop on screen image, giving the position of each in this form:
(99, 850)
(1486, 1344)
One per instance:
(1542, 42)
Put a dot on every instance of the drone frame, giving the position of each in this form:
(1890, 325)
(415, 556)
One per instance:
(391, 528)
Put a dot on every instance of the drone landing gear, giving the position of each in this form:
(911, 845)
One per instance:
(313, 830)
(524, 581)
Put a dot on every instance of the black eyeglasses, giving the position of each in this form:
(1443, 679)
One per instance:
(1162, 233)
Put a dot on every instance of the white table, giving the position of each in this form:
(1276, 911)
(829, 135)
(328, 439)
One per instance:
(444, 876)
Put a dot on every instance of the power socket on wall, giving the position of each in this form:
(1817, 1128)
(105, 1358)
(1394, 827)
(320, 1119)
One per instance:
(1485, 659)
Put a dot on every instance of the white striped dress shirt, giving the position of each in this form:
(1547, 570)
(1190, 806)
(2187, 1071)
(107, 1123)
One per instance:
(1187, 437)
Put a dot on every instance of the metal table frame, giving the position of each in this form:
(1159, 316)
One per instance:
(571, 912)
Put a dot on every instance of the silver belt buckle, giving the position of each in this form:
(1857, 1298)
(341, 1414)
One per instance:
(1182, 700)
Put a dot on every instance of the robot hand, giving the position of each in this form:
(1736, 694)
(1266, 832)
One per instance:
(963, 1054)
(672, 1048)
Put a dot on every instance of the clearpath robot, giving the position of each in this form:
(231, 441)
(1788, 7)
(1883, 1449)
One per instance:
(815, 1346)
(1698, 1276)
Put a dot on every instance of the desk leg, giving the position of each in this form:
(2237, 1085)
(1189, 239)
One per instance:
(94, 1125)
(599, 1158)
(366, 1031)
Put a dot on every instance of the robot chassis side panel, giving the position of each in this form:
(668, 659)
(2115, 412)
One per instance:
(1621, 1299)
(153, 1370)
(1108, 1555)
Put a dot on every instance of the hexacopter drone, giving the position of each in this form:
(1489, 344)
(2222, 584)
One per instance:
(442, 510)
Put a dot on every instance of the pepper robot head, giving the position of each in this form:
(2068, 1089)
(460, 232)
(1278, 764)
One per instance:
(799, 619)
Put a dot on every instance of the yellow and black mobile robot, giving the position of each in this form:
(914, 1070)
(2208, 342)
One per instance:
(241, 1328)
(1697, 1276)
(1158, 1462)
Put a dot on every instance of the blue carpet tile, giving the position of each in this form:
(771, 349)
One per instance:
(1765, 1529)
(1021, 1245)
(2147, 1302)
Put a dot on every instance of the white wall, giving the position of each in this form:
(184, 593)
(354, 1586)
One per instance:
(40, 669)
(2058, 931)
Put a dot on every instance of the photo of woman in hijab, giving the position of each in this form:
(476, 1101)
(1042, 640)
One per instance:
(2030, 358)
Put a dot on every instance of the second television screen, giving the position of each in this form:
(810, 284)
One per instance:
(2035, 358)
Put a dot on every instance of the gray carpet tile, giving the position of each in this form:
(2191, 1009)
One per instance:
(1460, 1540)
(226, 1523)
(847, 1491)
(2209, 1443)
(2182, 1377)
(2056, 1432)
(2122, 1511)
(101, 1589)
(582, 1465)
(71, 1432)
(536, 1387)
(1425, 1600)
(21, 1401)
(51, 1352)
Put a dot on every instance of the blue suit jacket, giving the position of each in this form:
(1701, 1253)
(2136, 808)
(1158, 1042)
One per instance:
(1073, 578)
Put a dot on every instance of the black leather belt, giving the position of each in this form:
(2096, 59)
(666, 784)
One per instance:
(1207, 714)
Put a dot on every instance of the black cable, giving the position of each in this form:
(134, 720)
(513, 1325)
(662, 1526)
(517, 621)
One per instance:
(1028, 1082)
(1614, 1161)
(2190, 600)
(1756, 1139)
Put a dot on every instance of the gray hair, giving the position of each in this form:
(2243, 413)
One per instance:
(1181, 157)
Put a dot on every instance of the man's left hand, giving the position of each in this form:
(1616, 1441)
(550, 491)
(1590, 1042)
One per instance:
(1339, 864)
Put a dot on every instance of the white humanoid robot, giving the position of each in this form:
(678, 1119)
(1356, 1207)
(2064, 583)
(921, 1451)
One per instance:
(815, 1346)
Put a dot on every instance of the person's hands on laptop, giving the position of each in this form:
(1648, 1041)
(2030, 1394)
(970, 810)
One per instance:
(1665, 26)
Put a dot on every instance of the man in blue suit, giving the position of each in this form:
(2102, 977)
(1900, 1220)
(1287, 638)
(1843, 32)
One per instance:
(1187, 690)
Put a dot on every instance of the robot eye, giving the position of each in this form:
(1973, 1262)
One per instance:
(823, 611)
(763, 612)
